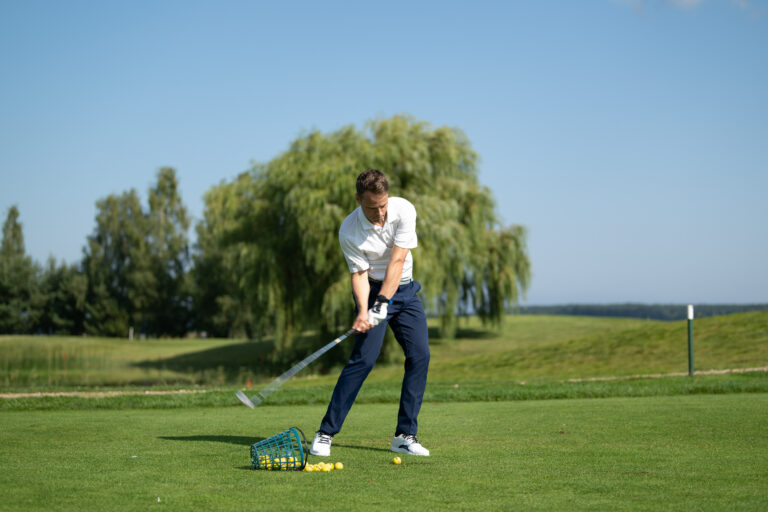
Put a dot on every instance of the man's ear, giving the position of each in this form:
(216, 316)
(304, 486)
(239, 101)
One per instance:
(357, 198)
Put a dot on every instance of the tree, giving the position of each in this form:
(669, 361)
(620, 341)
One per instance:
(63, 290)
(222, 304)
(289, 211)
(168, 244)
(466, 260)
(18, 279)
(118, 267)
(136, 263)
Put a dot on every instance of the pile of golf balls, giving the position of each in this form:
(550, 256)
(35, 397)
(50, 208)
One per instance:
(324, 466)
(279, 463)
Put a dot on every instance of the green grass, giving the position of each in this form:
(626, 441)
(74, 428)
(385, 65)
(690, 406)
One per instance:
(385, 392)
(525, 348)
(623, 444)
(531, 356)
(595, 347)
(33, 361)
(705, 452)
(528, 358)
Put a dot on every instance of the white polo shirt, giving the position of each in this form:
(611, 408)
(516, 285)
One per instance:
(369, 247)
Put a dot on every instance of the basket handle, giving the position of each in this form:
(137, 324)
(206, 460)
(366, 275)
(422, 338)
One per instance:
(304, 447)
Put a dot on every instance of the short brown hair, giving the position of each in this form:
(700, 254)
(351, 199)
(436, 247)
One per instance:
(372, 181)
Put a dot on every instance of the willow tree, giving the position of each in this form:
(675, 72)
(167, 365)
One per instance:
(285, 215)
(221, 268)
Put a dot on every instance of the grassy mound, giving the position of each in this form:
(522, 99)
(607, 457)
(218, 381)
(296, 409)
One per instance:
(528, 357)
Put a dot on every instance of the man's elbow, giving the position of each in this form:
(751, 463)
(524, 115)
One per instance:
(399, 255)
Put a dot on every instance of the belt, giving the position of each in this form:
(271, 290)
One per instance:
(407, 280)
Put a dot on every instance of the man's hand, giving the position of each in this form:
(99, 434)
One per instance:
(378, 313)
(361, 322)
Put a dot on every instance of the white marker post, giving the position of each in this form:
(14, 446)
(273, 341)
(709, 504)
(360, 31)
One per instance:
(690, 340)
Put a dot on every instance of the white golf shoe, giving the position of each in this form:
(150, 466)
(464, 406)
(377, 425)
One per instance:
(407, 443)
(321, 446)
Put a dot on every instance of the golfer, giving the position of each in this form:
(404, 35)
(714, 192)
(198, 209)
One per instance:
(376, 240)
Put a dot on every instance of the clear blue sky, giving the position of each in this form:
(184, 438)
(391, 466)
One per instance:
(630, 137)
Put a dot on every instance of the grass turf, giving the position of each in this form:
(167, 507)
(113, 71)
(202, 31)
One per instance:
(375, 391)
(704, 452)
(525, 348)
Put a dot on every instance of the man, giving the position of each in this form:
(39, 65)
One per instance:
(376, 240)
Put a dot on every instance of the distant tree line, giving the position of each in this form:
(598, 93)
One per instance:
(266, 259)
(134, 272)
(668, 312)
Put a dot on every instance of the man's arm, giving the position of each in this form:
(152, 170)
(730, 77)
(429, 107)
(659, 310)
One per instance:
(361, 288)
(394, 272)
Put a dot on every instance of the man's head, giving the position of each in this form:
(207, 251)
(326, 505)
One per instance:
(373, 195)
(372, 181)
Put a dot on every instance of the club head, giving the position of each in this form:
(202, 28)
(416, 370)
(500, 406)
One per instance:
(243, 398)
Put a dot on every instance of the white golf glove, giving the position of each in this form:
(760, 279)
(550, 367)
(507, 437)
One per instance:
(378, 313)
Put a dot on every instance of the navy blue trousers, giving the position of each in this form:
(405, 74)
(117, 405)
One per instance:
(409, 324)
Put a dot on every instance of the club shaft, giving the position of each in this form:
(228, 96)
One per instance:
(275, 384)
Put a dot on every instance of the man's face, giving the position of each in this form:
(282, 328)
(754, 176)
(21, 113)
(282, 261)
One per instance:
(374, 206)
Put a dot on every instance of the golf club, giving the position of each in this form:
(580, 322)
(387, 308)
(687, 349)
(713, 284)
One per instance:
(259, 397)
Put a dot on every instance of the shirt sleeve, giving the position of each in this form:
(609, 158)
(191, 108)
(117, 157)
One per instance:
(356, 260)
(405, 236)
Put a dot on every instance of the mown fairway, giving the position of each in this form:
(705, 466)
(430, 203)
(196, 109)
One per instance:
(661, 453)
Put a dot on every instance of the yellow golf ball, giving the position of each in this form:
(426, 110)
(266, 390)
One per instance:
(327, 467)
(339, 465)
(397, 460)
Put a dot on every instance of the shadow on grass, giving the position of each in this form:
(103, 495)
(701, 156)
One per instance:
(230, 358)
(368, 448)
(250, 357)
(468, 333)
(248, 441)
(260, 359)
(239, 440)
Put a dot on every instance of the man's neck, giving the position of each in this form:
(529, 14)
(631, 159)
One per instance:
(382, 222)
